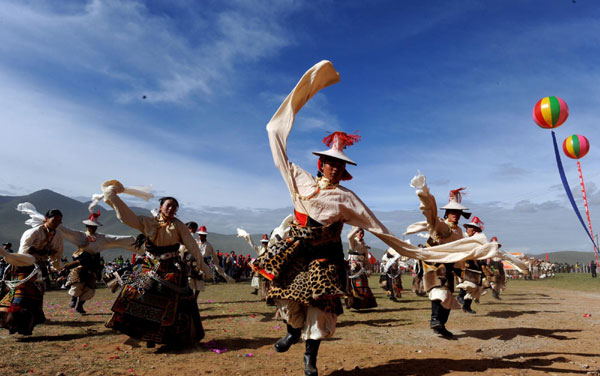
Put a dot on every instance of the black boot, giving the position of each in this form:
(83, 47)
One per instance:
(495, 294)
(439, 317)
(80, 307)
(436, 316)
(467, 306)
(442, 331)
(73, 302)
(292, 337)
(461, 296)
(310, 357)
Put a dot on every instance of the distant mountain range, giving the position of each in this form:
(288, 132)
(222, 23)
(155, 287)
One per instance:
(12, 223)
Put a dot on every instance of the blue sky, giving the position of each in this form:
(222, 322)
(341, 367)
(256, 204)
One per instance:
(177, 94)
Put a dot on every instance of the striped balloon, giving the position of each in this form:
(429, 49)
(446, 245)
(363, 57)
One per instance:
(576, 146)
(550, 112)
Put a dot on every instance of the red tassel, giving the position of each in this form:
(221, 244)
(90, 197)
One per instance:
(478, 222)
(345, 138)
(94, 216)
(457, 194)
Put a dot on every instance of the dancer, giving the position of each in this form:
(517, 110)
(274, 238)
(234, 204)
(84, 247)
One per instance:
(391, 278)
(207, 251)
(496, 275)
(307, 269)
(258, 282)
(438, 278)
(359, 295)
(85, 268)
(21, 309)
(156, 305)
(195, 269)
(470, 285)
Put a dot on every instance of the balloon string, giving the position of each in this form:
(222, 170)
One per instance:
(587, 209)
(563, 178)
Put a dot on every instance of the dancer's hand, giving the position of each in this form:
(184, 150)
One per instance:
(113, 185)
(419, 181)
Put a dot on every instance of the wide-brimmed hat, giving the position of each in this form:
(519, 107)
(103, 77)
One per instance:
(265, 238)
(93, 220)
(338, 141)
(455, 202)
(475, 222)
(202, 230)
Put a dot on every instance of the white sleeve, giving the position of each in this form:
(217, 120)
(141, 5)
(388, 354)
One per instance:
(17, 259)
(116, 241)
(352, 239)
(356, 213)
(78, 238)
(316, 78)
(125, 214)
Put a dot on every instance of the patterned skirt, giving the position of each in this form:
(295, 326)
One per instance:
(308, 267)
(359, 295)
(21, 308)
(157, 305)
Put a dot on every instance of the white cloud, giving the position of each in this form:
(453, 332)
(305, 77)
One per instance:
(61, 149)
(143, 52)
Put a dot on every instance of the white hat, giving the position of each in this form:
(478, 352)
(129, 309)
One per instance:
(202, 230)
(338, 142)
(93, 220)
(455, 201)
(475, 222)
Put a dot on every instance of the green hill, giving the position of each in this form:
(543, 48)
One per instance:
(570, 257)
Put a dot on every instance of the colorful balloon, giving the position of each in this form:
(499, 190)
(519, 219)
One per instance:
(576, 146)
(550, 112)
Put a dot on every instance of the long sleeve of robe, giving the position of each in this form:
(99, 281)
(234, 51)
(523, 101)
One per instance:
(326, 204)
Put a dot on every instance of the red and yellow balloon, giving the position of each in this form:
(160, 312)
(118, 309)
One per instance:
(550, 112)
(576, 146)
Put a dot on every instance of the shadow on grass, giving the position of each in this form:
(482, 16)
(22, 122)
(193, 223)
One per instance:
(533, 300)
(65, 337)
(227, 316)
(385, 310)
(229, 344)
(513, 314)
(73, 323)
(510, 333)
(443, 366)
(374, 322)
(268, 316)
(514, 302)
(214, 302)
(529, 295)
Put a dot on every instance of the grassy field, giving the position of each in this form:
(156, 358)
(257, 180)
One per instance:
(537, 328)
(564, 281)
